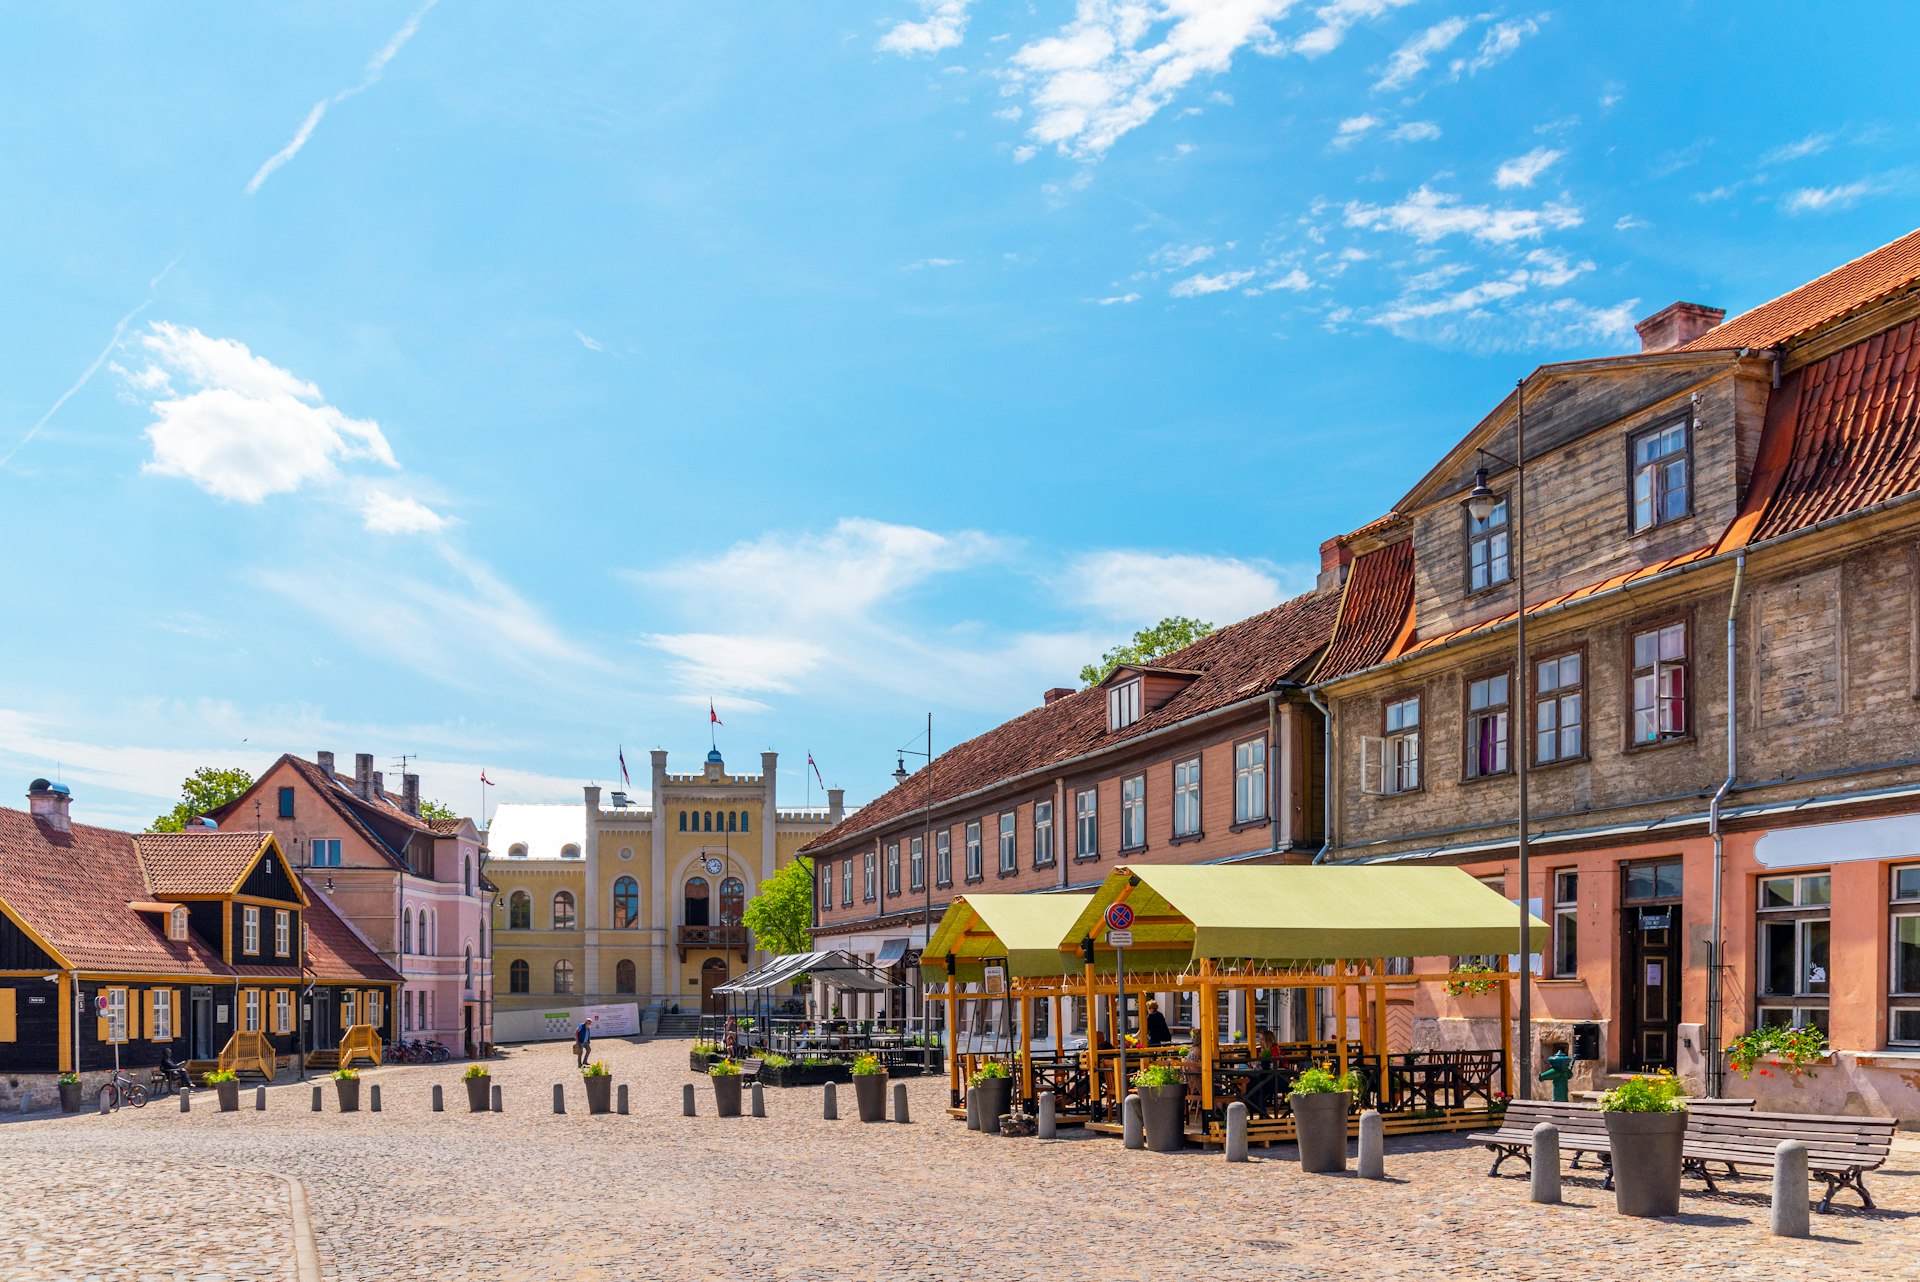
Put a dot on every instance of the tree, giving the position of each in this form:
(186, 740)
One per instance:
(1164, 637)
(431, 809)
(781, 915)
(207, 788)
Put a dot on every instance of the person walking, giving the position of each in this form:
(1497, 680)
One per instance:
(583, 1043)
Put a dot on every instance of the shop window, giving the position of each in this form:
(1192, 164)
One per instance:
(1566, 923)
(1795, 931)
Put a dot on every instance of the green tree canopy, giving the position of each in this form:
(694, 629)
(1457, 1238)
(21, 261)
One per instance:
(781, 915)
(431, 809)
(1164, 637)
(207, 788)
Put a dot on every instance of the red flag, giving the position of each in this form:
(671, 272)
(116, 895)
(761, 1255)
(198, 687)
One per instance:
(485, 780)
(625, 778)
(816, 769)
(712, 715)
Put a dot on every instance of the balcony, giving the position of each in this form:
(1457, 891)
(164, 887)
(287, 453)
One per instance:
(725, 938)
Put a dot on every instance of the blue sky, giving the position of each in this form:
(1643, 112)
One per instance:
(496, 384)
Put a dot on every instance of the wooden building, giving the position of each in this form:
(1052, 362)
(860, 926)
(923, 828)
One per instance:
(201, 943)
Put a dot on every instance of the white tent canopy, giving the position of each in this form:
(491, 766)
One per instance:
(835, 968)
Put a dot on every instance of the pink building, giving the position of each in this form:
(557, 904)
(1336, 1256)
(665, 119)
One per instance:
(411, 886)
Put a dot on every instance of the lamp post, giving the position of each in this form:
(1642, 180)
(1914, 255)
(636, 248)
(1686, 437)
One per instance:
(900, 776)
(1480, 503)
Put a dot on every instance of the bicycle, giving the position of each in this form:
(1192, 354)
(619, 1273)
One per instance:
(122, 1089)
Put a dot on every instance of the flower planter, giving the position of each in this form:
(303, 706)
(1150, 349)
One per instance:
(1646, 1161)
(870, 1092)
(599, 1094)
(479, 1094)
(726, 1095)
(69, 1097)
(996, 1097)
(1320, 1122)
(697, 1062)
(349, 1093)
(229, 1095)
(1164, 1111)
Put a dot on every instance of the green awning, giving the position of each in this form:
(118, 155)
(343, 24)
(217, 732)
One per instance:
(1301, 913)
(1025, 930)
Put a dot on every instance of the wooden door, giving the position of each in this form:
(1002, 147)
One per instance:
(713, 973)
(1650, 918)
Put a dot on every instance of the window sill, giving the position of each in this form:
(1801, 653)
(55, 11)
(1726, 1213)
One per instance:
(1087, 859)
(1498, 774)
(1244, 824)
(1181, 839)
(1395, 796)
(1654, 745)
(1043, 865)
(975, 881)
(1581, 760)
(1004, 873)
(1140, 849)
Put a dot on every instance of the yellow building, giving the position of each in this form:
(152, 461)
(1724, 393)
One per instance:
(619, 903)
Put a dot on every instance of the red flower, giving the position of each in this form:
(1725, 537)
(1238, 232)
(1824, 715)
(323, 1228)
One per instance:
(1765, 1073)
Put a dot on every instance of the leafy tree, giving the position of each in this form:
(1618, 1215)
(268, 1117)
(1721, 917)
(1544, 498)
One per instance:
(431, 809)
(781, 915)
(1164, 637)
(207, 788)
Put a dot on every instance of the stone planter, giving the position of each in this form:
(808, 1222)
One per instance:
(229, 1096)
(1164, 1111)
(599, 1094)
(996, 1097)
(726, 1095)
(870, 1092)
(1646, 1161)
(479, 1094)
(69, 1097)
(1320, 1122)
(697, 1062)
(349, 1094)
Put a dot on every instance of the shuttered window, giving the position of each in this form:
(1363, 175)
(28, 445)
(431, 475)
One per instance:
(9, 1026)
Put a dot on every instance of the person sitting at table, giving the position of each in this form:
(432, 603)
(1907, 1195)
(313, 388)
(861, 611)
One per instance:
(1158, 1034)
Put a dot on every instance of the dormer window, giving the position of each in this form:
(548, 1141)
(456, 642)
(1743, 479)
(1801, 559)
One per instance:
(569, 851)
(1123, 704)
(177, 925)
(1489, 559)
(518, 850)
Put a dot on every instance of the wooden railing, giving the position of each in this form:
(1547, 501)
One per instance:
(248, 1051)
(726, 937)
(362, 1041)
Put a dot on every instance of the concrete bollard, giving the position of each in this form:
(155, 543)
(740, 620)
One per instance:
(26, 1101)
(373, 1097)
(316, 1097)
(186, 1100)
(1543, 1184)
(439, 1099)
(495, 1100)
(104, 1109)
(686, 1101)
(1133, 1125)
(1236, 1132)
(973, 1110)
(1373, 1145)
(260, 1099)
(830, 1104)
(757, 1099)
(620, 1099)
(1049, 1120)
(1791, 1216)
(900, 1102)
(559, 1098)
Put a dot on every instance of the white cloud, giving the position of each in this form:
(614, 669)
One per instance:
(1294, 281)
(1412, 58)
(1416, 131)
(1128, 585)
(375, 66)
(385, 513)
(1353, 128)
(1498, 44)
(1117, 298)
(1429, 216)
(1178, 256)
(1119, 62)
(717, 662)
(1811, 145)
(1196, 285)
(1334, 21)
(924, 263)
(1521, 171)
(247, 428)
(590, 343)
(943, 27)
(1820, 199)
(1628, 222)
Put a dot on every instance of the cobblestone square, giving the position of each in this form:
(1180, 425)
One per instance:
(289, 1195)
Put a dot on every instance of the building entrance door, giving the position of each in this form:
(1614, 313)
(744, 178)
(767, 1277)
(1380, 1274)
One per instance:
(322, 1036)
(1650, 953)
(200, 1024)
(713, 973)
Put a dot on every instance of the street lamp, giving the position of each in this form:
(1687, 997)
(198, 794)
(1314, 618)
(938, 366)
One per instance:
(1480, 504)
(900, 777)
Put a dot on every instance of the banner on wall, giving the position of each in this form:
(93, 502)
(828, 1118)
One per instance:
(556, 1023)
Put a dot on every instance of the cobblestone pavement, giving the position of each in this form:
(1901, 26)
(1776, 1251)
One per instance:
(410, 1194)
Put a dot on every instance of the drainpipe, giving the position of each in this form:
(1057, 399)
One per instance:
(1326, 774)
(1716, 944)
(1276, 786)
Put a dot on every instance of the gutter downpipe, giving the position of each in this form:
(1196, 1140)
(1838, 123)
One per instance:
(1716, 944)
(1326, 774)
(1276, 786)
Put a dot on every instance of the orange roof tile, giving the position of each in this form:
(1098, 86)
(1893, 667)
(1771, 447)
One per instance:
(1376, 610)
(1844, 289)
(198, 861)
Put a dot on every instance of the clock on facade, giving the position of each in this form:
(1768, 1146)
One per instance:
(714, 866)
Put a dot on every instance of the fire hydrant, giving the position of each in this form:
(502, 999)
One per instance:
(1558, 1070)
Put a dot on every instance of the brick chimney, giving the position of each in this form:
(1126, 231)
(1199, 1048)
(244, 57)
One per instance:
(379, 784)
(51, 804)
(1335, 557)
(1676, 325)
(1056, 694)
(836, 804)
(326, 763)
(410, 793)
(363, 773)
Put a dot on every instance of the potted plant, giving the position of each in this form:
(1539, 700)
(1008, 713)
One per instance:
(1794, 1050)
(479, 1088)
(870, 1087)
(1163, 1106)
(1646, 1129)
(726, 1087)
(777, 1070)
(226, 1085)
(994, 1084)
(702, 1055)
(1320, 1101)
(599, 1087)
(69, 1084)
(346, 1083)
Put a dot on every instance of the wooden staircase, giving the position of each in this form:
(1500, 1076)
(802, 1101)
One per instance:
(248, 1055)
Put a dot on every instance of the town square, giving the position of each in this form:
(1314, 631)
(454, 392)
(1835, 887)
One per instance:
(1106, 638)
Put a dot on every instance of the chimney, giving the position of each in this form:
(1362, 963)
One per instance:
(410, 793)
(363, 773)
(326, 763)
(51, 804)
(1676, 325)
(836, 804)
(1056, 694)
(379, 784)
(1335, 557)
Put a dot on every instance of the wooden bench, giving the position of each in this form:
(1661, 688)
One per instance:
(1840, 1150)
(750, 1070)
(1583, 1129)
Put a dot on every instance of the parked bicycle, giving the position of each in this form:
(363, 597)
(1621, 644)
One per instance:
(122, 1089)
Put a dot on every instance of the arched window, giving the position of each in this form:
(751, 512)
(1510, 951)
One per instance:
(746, 820)
(569, 851)
(466, 972)
(696, 914)
(426, 934)
(563, 910)
(563, 976)
(733, 898)
(626, 904)
(466, 873)
(406, 929)
(708, 819)
(683, 821)
(733, 821)
(624, 979)
(519, 977)
(519, 911)
(518, 850)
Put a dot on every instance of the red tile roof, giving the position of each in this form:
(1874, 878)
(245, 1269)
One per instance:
(197, 862)
(1376, 611)
(334, 951)
(1869, 277)
(381, 819)
(1239, 661)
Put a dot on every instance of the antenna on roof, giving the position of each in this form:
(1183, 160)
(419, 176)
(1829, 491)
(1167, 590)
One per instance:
(405, 757)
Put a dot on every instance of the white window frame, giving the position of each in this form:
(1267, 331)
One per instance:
(324, 852)
(1398, 767)
(869, 878)
(893, 868)
(1086, 823)
(250, 930)
(1489, 548)
(846, 883)
(177, 924)
(162, 1030)
(1903, 997)
(943, 857)
(283, 1010)
(252, 1014)
(1811, 908)
(1489, 700)
(976, 866)
(1009, 843)
(1123, 704)
(1664, 714)
(917, 864)
(117, 1002)
(1133, 813)
(1186, 797)
(1250, 780)
(282, 932)
(1559, 708)
(1650, 482)
(1042, 834)
(1566, 921)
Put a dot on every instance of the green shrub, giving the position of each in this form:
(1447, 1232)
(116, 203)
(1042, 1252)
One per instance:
(774, 1059)
(217, 1077)
(1158, 1075)
(820, 1061)
(1324, 1081)
(708, 1048)
(991, 1071)
(476, 1070)
(1790, 1048)
(723, 1068)
(867, 1066)
(68, 1079)
(594, 1069)
(1656, 1093)
(346, 1074)
(1472, 979)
